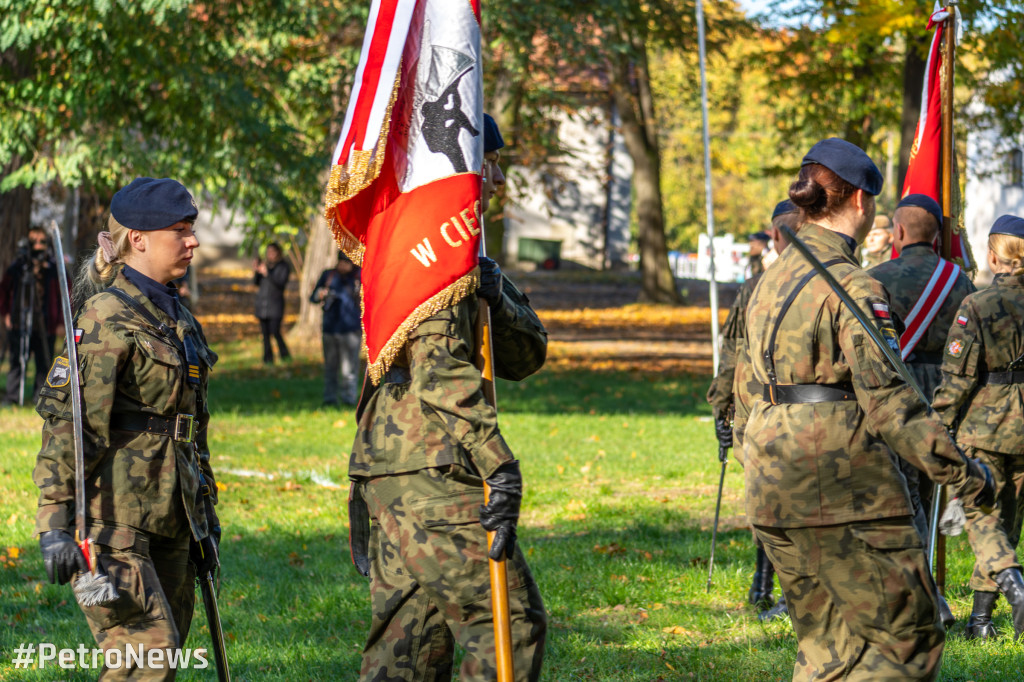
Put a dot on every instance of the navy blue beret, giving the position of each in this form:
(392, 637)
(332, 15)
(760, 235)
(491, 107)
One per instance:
(149, 204)
(784, 207)
(849, 162)
(759, 236)
(492, 136)
(923, 201)
(1008, 224)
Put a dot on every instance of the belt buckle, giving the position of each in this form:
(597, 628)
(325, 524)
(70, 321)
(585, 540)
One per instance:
(185, 428)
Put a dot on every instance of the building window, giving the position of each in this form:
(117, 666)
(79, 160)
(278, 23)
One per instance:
(1016, 166)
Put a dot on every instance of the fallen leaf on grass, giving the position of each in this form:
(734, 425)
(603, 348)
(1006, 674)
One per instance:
(678, 630)
(610, 549)
(340, 424)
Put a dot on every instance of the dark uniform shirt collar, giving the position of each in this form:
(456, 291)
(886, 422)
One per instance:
(918, 245)
(163, 296)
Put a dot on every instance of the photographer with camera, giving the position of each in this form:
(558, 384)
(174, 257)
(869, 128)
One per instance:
(30, 306)
(337, 291)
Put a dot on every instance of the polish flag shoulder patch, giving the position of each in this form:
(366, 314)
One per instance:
(961, 320)
(78, 335)
(881, 310)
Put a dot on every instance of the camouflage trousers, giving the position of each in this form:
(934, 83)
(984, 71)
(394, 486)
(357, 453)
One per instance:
(155, 584)
(430, 583)
(994, 537)
(861, 599)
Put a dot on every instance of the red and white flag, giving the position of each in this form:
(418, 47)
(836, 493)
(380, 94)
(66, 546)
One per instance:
(924, 170)
(403, 199)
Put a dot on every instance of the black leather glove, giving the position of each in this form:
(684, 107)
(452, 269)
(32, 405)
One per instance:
(61, 556)
(205, 554)
(723, 429)
(490, 281)
(986, 497)
(501, 513)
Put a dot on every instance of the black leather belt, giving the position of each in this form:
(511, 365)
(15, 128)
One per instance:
(181, 428)
(925, 358)
(397, 375)
(1004, 377)
(782, 394)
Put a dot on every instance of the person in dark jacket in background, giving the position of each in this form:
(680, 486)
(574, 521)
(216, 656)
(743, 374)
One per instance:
(337, 291)
(271, 276)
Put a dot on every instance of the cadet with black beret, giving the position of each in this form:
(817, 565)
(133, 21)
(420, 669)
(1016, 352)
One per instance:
(143, 362)
(823, 491)
(982, 400)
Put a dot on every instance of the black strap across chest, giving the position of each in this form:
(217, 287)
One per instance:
(769, 354)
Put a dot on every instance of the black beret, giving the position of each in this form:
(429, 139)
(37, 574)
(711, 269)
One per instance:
(1008, 224)
(148, 204)
(492, 136)
(759, 236)
(849, 162)
(923, 201)
(784, 207)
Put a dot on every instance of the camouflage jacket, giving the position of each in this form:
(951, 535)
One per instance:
(816, 464)
(140, 479)
(987, 335)
(905, 279)
(436, 413)
(720, 394)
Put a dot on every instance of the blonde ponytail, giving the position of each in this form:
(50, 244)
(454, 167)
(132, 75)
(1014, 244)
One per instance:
(98, 271)
(1008, 250)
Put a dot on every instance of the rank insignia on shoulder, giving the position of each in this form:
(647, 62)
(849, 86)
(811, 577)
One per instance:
(60, 373)
(961, 320)
(891, 338)
(78, 335)
(956, 347)
(881, 310)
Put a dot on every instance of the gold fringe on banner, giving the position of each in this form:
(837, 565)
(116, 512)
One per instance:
(346, 181)
(446, 298)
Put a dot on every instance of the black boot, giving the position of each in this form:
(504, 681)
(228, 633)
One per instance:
(1011, 584)
(945, 613)
(979, 625)
(780, 610)
(760, 594)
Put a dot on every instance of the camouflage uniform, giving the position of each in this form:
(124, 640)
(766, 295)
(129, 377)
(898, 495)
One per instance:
(986, 409)
(905, 278)
(823, 490)
(142, 488)
(720, 394)
(426, 441)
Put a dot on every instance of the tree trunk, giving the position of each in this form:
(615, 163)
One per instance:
(15, 216)
(913, 81)
(631, 89)
(321, 253)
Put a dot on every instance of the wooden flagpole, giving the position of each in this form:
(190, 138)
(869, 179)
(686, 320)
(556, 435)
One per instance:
(948, 222)
(498, 569)
(949, 63)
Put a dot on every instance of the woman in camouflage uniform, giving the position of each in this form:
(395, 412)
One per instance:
(982, 400)
(820, 440)
(143, 362)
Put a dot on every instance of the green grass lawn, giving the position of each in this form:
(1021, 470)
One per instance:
(621, 473)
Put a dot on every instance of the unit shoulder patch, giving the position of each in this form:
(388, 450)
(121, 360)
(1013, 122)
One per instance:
(955, 348)
(60, 373)
(891, 338)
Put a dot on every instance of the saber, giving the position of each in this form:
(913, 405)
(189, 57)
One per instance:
(723, 456)
(220, 656)
(91, 588)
